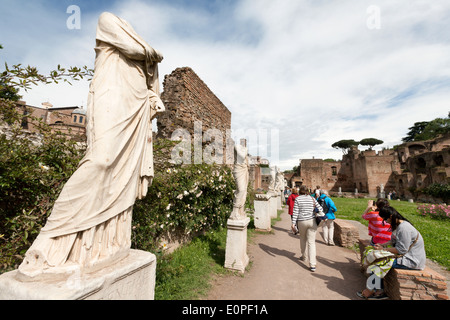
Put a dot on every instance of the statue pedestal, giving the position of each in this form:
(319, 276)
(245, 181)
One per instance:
(273, 206)
(236, 257)
(132, 278)
(262, 212)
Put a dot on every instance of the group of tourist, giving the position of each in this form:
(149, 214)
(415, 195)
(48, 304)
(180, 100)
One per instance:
(307, 212)
(391, 233)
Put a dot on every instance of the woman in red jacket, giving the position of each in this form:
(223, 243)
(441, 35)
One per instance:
(291, 200)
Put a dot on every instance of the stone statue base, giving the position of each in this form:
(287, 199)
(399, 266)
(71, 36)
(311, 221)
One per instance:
(279, 201)
(262, 213)
(132, 278)
(273, 206)
(236, 257)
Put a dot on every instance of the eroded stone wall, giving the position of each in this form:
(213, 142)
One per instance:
(188, 99)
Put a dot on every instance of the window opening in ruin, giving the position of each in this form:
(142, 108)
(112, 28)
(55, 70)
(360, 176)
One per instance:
(334, 171)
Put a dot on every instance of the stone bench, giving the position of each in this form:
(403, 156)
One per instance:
(345, 233)
(400, 284)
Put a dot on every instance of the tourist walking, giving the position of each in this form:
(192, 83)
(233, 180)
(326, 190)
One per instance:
(316, 193)
(328, 224)
(290, 203)
(379, 229)
(287, 193)
(304, 219)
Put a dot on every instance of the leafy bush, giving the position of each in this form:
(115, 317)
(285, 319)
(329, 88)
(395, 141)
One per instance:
(33, 168)
(189, 199)
(31, 177)
(438, 190)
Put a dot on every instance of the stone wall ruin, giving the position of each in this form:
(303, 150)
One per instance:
(188, 99)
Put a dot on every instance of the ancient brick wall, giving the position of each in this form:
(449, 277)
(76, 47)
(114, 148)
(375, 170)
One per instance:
(188, 99)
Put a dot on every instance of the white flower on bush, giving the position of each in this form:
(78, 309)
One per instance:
(43, 167)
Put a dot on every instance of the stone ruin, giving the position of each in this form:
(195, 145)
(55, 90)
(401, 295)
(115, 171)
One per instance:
(188, 99)
(413, 166)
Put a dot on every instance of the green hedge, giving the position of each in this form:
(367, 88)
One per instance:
(31, 177)
(189, 199)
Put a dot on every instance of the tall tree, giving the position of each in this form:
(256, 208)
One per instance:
(371, 142)
(415, 130)
(345, 145)
(427, 130)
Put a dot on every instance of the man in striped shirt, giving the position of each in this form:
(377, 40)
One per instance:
(379, 230)
(304, 217)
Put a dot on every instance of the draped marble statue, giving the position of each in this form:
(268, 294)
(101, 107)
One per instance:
(90, 224)
(241, 176)
(273, 179)
(279, 180)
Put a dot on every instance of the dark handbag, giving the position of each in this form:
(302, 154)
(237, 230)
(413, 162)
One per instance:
(318, 220)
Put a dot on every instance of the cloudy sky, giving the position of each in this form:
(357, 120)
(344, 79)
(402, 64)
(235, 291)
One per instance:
(302, 74)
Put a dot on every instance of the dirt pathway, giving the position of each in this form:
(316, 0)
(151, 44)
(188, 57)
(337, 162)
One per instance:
(276, 273)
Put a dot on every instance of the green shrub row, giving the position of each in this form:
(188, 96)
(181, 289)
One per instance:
(33, 170)
(187, 199)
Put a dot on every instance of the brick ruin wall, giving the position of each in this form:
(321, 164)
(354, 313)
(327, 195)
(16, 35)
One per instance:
(188, 99)
(415, 165)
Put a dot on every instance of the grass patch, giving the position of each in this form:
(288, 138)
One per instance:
(185, 274)
(436, 233)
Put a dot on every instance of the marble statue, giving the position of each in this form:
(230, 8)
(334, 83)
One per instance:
(241, 176)
(273, 179)
(279, 181)
(90, 224)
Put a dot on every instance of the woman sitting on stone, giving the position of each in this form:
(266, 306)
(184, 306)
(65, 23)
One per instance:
(406, 245)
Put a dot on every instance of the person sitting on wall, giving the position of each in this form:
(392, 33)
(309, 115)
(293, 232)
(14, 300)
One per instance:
(378, 228)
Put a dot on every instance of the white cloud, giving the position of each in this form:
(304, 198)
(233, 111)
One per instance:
(310, 69)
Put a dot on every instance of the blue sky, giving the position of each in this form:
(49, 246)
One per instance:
(314, 71)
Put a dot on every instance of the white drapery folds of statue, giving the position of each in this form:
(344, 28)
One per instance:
(279, 181)
(273, 179)
(241, 176)
(90, 224)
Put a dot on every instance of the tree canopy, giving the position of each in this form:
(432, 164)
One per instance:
(371, 142)
(345, 145)
(427, 130)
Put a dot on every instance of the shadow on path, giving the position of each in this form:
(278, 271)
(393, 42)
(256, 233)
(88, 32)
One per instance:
(281, 252)
(348, 276)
